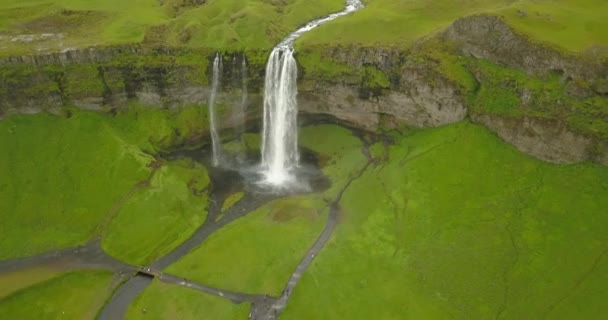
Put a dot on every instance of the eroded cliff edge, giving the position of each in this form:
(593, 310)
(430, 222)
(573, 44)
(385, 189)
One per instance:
(550, 104)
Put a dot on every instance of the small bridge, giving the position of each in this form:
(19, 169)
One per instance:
(149, 272)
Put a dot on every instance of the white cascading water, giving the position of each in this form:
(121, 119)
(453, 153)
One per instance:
(215, 139)
(280, 134)
(244, 97)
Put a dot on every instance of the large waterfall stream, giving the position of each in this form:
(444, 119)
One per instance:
(280, 134)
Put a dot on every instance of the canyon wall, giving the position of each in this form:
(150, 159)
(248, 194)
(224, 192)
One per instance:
(436, 82)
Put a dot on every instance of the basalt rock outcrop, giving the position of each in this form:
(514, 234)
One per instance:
(364, 87)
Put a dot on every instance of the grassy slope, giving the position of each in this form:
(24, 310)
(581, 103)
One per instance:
(76, 295)
(63, 177)
(340, 154)
(20, 279)
(233, 24)
(225, 24)
(166, 213)
(571, 24)
(163, 301)
(257, 253)
(574, 25)
(459, 225)
(60, 178)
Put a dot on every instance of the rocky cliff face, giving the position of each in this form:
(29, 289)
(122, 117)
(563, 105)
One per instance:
(369, 88)
(548, 140)
(542, 134)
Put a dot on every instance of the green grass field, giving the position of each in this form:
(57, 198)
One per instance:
(76, 295)
(570, 24)
(257, 253)
(457, 224)
(341, 154)
(64, 177)
(221, 24)
(60, 178)
(20, 279)
(163, 301)
(166, 213)
(573, 25)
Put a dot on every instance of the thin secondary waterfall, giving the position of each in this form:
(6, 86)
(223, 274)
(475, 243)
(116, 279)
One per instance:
(215, 139)
(280, 134)
(244, 97)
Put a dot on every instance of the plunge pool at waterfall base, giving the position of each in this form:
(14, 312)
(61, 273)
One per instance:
(242, 172)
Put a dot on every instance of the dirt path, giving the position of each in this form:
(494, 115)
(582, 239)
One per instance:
(90, 256)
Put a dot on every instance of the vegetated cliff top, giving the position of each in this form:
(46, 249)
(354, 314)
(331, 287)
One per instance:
(32, 26)
(573, 25)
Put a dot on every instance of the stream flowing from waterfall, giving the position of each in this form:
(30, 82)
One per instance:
(215, 139)
(280, 157)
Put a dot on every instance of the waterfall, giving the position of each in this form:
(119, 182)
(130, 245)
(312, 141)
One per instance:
(243, 107)
(215, 139)
(280, 133)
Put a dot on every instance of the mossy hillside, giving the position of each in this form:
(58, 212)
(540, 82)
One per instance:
(108, 78)
(75, 295)
(486, 87)
(513, 93)
(73, 168)
(78, 169)
(257, 253)
(318, 65)
(217, 24)
(340, 154)
(160, 130)
(166, 301)
(570, 24)
(166, 211)
(116, 77)
(462, 225)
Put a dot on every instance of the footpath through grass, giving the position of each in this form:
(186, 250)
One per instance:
(456, 224)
